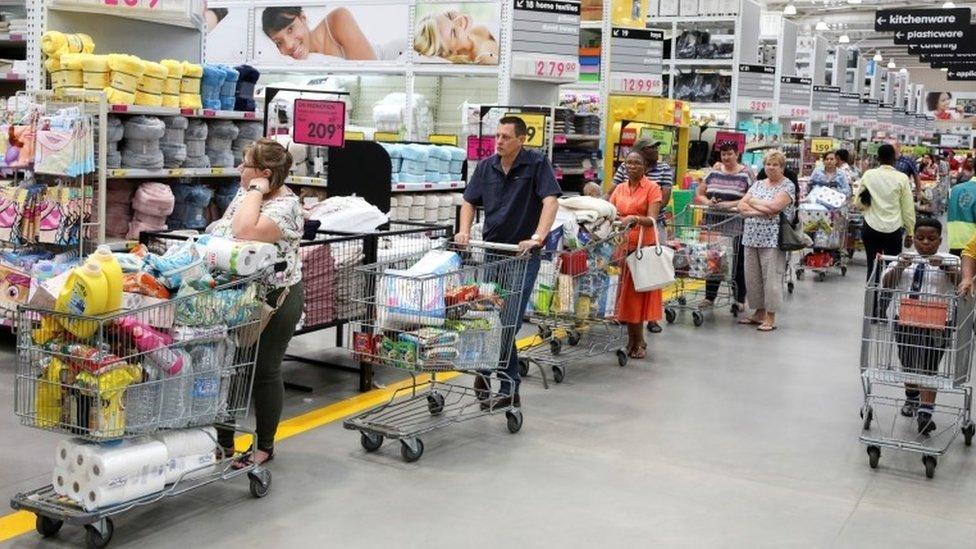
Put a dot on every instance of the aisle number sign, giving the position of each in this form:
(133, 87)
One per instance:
(821, 145)
(443, 139)
(664, 136)
(319, 122)
(536, 126)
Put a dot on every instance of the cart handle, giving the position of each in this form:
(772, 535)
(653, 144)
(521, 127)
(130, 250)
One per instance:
(951, 260)
(494, 246)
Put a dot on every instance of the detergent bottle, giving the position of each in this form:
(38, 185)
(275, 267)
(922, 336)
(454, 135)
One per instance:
(84, 293)
(113, 275)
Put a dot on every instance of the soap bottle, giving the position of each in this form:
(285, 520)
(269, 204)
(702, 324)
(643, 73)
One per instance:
(84, 293)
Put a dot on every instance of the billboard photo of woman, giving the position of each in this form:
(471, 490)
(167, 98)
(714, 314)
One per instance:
(939, 105)
(457, 33)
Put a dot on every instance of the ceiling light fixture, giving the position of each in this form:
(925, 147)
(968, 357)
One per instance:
(854, 2)
(790, 9)
(822, 25)
(948, 5)
(844, 39)
(877, 57)
(891, 65)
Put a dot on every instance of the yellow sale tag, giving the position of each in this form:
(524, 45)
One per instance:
(386, 136)
(443, 139)
(355, 136)
(821, 145)
(535, 124)
(176, 172)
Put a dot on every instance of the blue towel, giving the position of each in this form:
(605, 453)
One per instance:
(213, 79)
(229, 88)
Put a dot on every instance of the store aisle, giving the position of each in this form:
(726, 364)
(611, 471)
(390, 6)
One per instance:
(725, 437)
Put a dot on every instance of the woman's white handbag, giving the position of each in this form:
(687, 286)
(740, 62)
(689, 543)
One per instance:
(651, 268)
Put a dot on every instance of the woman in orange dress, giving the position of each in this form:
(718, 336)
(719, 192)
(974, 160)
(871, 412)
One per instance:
(638, 202)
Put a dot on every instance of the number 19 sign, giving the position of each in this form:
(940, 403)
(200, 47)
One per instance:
(319, 122)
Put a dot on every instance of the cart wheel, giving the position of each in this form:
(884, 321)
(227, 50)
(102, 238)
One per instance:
(47, 526)
(573, 338)
(409, 454)
(867, 414)
(523, 367)
(370, 442)
(968, 431)
(435, 403)
(789, 287)
(670, 315)
(821, 276)
(697, 318)
(621, 357)
(95, 539)
(260, 483)
(734, 310)
(874, 454)
(555, 346)
(514, 418)
(799, 274)
(929, 462)
(682, 300)
(558, 374)
(843, 270)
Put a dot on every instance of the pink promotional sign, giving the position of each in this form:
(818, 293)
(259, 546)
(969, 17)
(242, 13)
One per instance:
(480, 148)
(736, 138)
(319, 122)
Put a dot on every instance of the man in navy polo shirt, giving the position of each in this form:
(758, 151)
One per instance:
(518, 191)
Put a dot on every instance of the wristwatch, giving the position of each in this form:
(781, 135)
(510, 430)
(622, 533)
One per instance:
(255, 187)
(537, 238)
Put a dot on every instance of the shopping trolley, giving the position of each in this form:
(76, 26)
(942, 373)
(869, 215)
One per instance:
(827, 228)
(707, 243)
(103, 389)
(452, 309)
(573, 302)
(855, 224)
(916, 331)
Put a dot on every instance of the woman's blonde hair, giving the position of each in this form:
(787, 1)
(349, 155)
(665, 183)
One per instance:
(267, 154)
(427, 41)
(775, 156)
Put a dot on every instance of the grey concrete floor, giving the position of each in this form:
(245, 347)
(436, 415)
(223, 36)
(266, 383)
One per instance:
(725, 437)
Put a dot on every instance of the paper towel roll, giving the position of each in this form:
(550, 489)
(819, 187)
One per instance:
(103, 496)
(188, 442)
(106, 465)
(190, 466)
(61, 480)
(67, 450)
(238, 258)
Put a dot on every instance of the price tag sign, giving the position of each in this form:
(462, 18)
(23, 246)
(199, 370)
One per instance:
(386, 137)
(319, 122)
(636, 84)
(131, 4)
(480, 148)
(545, 67)
(443, 139)
(821, 145)
(536, 125)
(756, 105)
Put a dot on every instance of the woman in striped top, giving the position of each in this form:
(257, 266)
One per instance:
(722, 189)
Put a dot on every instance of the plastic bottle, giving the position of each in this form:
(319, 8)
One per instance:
(176, 387)
(153, 343)
(113, 274)
(142, 402)
(206, 381)
(85, 293)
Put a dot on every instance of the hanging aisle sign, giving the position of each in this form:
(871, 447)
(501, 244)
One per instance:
(757, 88)
(545, 40)
(940, 35)
(825, 103)
(794, 96)
(915, 20)
(966, 75)
(850, 108)
(319, 122)
(868, 116)
(635, 61)
(941, 47)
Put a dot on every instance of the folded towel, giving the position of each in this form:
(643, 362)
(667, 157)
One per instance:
(174, 76)
(244, 96)
(213, 79)
(95, 71)
(55, 44)
(72, 73)
(150, 90)
(228, 91)
(190, 86)
(126, 72)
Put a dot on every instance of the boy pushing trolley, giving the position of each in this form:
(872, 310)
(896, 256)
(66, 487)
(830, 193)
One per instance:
(917, 334)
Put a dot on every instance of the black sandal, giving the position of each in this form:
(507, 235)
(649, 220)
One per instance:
(223, 453)
(247, 458)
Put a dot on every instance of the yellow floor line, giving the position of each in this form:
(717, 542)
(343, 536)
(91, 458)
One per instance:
(21, 522)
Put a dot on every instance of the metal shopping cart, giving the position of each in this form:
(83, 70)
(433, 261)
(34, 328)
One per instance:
(453, 309)
(855, 223)
(708, 247)
(102, 388)
(573, 302)
(917, 332)
(828, 230)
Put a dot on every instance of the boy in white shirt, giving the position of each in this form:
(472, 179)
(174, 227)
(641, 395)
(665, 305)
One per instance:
(932, 283)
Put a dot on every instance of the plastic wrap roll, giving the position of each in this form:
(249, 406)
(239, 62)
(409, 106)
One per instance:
(61, 480)
(104, 496)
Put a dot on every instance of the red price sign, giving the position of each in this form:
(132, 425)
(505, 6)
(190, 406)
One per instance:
(320, 122)
(480, 148)
(760, 105)
(131, 3)
(637, 85)
(554, 69)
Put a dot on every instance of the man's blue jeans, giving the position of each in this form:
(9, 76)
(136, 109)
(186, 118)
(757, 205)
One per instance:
(512, 315)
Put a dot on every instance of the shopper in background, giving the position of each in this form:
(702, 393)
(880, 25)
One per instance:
(887, 199)
(830, 176)
(519, 192)
(961, 216)
(928, 169)
(722, 189)
(965, 171)
(267, 211)
(638, 203)
(592, 190)
(844, 165)
(764, 261)
(907, 165)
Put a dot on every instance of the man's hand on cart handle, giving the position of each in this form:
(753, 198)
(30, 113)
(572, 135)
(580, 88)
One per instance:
(527, 246)
(965, 288)
(462, 239)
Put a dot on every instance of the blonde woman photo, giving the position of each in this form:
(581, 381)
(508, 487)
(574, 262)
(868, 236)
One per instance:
(456, 37)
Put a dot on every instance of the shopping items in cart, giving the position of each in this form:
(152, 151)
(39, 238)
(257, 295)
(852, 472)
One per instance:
(123, 382)
(453, 308)
(855, 224)
(707, 244)
(917, 335)
(827, 228)
(573, 302)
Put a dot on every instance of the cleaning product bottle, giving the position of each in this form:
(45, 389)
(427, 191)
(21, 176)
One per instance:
(84, 293)
(152, 342)
(113, 274)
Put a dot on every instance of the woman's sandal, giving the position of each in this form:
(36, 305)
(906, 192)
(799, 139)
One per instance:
(224, 453)
(247, 458)
(749, 321)
(638, 351)
(766, 327)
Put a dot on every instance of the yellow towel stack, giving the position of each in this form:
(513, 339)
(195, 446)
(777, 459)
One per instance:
(150, 90)
(55, 44)
(96, 75)
(171, 91)
(126, 74)
(53, 66)
(190, 86)
(72, 72)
